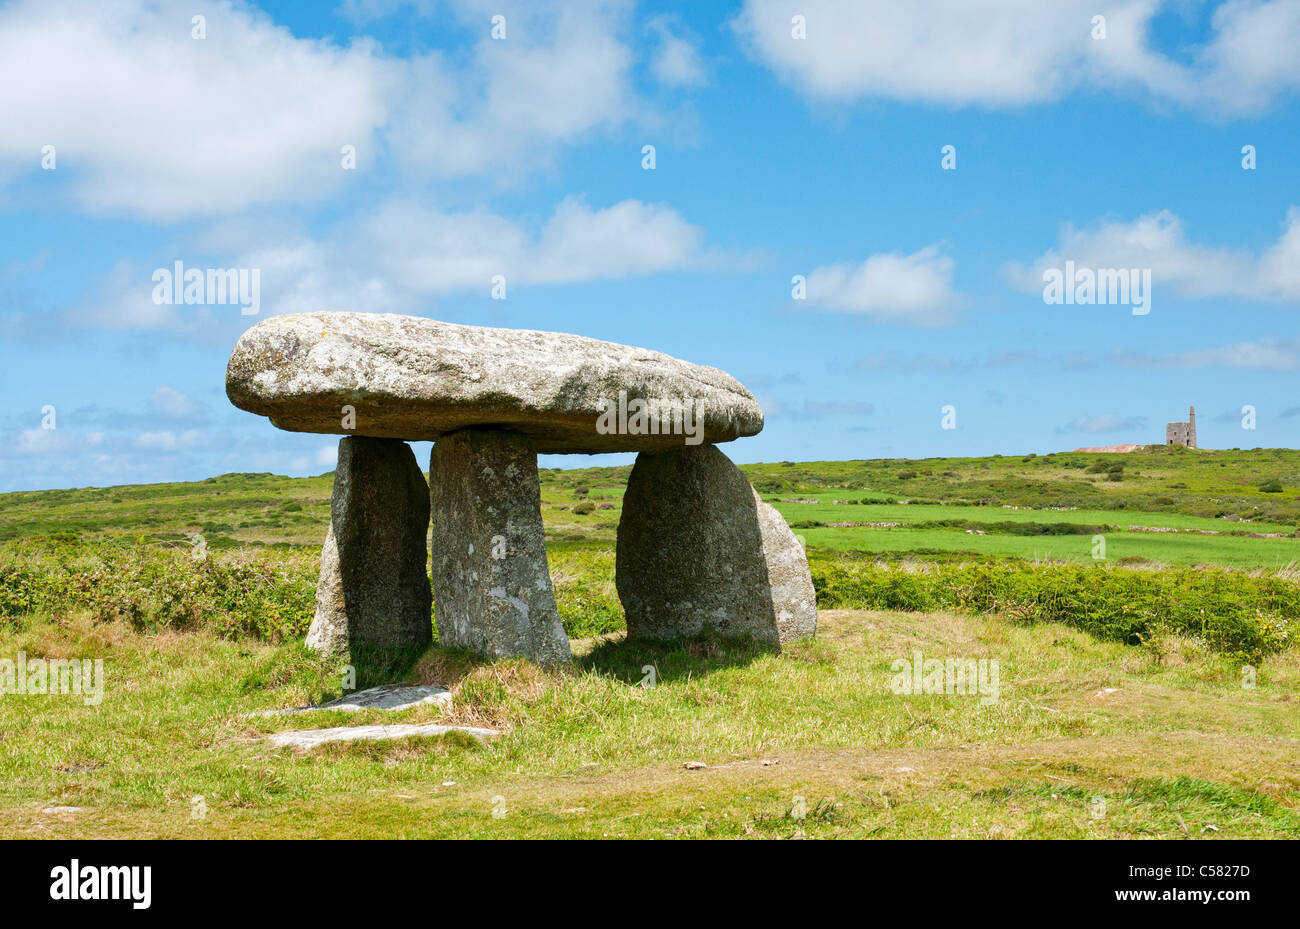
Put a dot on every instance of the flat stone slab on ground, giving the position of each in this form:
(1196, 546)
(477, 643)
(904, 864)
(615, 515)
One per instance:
(407, 377)
(384, 697)
(310, 738)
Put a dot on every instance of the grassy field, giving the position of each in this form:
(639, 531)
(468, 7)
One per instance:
(1036, 507)
(1087, 739)
(1174, 549)
(1151, 692)
(1198, 482)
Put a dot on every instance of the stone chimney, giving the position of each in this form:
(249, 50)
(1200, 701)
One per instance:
(1191, 422)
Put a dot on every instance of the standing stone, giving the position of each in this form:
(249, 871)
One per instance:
(329, 627)
(698, 551)
(489, 567)
(374, 589)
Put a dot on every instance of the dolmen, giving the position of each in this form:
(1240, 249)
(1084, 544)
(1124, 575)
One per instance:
(697, 550)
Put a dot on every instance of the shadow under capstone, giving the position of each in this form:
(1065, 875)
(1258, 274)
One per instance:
(649, 662)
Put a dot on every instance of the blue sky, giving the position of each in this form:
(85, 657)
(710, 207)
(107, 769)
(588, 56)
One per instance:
(775, 156)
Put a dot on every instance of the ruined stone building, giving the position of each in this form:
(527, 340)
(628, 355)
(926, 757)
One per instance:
(1182, 433)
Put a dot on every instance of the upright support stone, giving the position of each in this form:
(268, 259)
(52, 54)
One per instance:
(494, 594)
(374, 588)
(699, 551)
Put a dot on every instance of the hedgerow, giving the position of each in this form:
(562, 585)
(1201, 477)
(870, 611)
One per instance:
(270, 594)
(1241, 615)
(153, 587)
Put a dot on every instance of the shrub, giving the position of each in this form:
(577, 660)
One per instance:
(155, 588)
(585, 506)
(1271, 487)
(1244, 617)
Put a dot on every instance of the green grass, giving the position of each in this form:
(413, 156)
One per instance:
(811, 742)
(1173, 549)
(906, 514)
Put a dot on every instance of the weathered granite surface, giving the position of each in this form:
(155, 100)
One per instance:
(699, 551)
(310, 738)
(384, 697)
(374, 587)
(412, 378)
(494, 594)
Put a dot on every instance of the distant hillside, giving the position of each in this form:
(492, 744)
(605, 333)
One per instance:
(1260, 484)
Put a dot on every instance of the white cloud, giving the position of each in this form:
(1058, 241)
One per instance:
(174, 404)
(563, 72)
(148, 121)
(675, 61)
(165, 440)
(406, 249)
(400, 253)
(913, 289)
(816, 409)
(1264, 355)
(628, 238)
(1017, 52)
(1106, 422)
(1159, 242)
(327, 456)
(1253, 57)
(877, 362)
(53, 442)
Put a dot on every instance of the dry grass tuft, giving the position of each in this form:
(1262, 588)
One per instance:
(496, 695)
